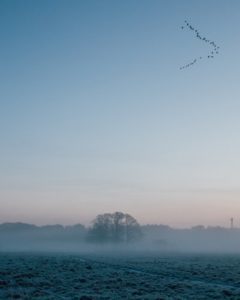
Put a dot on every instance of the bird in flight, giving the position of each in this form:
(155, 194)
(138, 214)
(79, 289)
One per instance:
(214, 47)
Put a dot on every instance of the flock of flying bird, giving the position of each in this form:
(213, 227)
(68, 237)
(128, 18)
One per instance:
(212, 53)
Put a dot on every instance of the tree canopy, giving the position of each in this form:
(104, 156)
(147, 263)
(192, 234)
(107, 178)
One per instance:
(115, 227)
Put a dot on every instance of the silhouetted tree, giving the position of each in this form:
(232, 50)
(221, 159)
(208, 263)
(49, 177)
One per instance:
(116, 227)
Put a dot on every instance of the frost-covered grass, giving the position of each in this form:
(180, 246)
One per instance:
(89, 276)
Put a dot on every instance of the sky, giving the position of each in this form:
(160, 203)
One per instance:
(95, 115)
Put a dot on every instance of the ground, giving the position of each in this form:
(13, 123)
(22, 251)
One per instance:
(90, 276)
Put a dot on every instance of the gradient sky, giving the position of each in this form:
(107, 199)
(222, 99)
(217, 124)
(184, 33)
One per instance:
(95, 115)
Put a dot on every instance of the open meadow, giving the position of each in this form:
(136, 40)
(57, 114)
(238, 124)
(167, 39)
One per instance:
(126, 276)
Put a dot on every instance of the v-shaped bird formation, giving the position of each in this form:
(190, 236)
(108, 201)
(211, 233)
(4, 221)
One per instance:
(214, 47)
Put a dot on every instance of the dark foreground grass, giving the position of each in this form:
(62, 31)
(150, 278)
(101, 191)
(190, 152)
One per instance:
(56, 276)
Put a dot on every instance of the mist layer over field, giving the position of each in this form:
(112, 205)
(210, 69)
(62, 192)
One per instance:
(154, 238)
(56, 262)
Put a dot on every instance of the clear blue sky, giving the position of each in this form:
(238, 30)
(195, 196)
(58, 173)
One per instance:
(95, 115)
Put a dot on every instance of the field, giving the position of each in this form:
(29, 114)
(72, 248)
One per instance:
(136, 276)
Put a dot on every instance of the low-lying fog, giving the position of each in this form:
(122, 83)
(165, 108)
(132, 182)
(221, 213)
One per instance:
(159, 238)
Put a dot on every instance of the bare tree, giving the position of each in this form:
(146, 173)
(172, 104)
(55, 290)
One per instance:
(116, 227)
